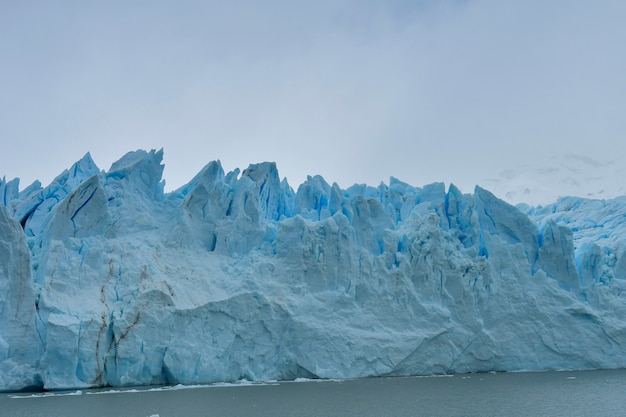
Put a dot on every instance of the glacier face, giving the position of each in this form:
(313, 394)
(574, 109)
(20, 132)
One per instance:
(107, 280)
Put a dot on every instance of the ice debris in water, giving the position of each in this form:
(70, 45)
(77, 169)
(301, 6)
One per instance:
(105, 280)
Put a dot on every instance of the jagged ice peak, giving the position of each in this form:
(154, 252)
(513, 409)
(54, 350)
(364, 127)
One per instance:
(106, 280)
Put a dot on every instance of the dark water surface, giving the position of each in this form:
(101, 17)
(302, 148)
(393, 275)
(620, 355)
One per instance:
(579, 393)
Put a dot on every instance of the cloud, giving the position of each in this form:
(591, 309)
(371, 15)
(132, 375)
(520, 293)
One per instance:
(353, 90)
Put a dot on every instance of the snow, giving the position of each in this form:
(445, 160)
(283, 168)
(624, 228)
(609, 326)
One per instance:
(550, 177)
(108, 281)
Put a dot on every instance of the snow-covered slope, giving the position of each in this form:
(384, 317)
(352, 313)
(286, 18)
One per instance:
(549, 178)
(106, 280)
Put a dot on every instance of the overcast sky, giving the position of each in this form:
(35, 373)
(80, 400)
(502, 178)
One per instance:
(354, 90)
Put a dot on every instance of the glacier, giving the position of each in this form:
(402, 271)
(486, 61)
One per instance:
(107, 280)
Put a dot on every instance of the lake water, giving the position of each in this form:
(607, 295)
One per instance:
(579, 393)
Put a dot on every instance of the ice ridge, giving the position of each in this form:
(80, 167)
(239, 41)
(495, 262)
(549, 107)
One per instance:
(105, 280)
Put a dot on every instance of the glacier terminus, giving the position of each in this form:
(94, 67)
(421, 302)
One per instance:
(107, 280)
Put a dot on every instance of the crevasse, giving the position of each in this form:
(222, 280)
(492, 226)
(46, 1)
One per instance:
(105, 280)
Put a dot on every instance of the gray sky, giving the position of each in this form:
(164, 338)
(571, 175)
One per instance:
(354, 90)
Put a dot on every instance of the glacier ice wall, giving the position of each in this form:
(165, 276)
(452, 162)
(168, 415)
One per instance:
(107, 280)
